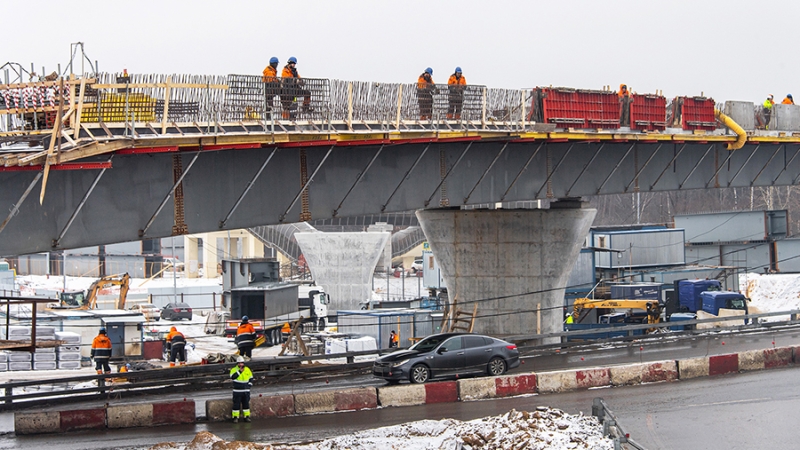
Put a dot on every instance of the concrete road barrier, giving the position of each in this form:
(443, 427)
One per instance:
(722, 364)
(405, 395)
(170, 413)
(509, 385)
(692, 368)
(777, 357)
(356, 399)
(476, 388)
(83, 419)
(37, 423)
(441, 392)
(219, 410)
(315, 402)
(751, 360)
(272, 406)
(644, 373)
(130, 415)
(570, 380)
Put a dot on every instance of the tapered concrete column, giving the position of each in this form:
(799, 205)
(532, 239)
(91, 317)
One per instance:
(514, 263)
(343, 264)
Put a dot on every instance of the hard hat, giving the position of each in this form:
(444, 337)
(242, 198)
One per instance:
(429, 71)
(239, 359)
(458, 69)
(173, 329)
(102, 331)
(789, 95)
(292, 60)
(245, 319)
(770, 96)
(273, 60)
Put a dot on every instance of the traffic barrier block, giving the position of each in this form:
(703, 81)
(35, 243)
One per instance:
(83, 419)
(174, 413)
(441, 392)
(692, 368)
(588, 378)
(558, 381)
(356, 399)
(413, 394)
(777, 357)
(273, 406)
(751, 360)
(37, 423)
(314, 402)
(476, 388)
(644, 373)
(130, 415)
(509, 385)
(722, 364)
(219, 410)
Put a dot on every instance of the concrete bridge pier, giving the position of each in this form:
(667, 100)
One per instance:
(514, 263)
(343, 264)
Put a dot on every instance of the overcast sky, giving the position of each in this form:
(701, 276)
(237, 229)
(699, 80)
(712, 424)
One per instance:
(733, 50)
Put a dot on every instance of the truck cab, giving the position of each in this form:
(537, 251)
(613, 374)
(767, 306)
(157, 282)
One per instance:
(689, 293)
(314, 299)
(715, 300)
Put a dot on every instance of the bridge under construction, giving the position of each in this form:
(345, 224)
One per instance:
(122, 157)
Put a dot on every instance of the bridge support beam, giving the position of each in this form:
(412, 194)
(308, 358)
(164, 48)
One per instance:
(343, 264)
(514, 263)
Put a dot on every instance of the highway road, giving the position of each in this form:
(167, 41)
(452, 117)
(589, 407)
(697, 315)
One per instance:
(738, 411)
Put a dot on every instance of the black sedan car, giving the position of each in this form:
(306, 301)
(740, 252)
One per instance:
(176, 311)
(448, 355)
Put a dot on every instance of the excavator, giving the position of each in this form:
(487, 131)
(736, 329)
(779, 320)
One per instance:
(651, 307)
(88, 299)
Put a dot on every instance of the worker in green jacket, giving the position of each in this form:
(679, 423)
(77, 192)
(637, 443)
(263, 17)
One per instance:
(242, 381)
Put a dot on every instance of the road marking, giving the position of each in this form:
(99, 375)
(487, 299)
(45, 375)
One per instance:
(732, 402)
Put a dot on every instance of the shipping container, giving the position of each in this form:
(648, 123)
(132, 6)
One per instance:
(636, 291)
(639, 248)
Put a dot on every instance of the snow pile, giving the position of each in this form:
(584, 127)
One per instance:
(545, 428)
(770, 293)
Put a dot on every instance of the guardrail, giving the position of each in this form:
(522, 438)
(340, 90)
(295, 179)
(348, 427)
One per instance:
(611, 426)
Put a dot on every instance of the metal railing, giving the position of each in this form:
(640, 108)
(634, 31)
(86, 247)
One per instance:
(611, 426)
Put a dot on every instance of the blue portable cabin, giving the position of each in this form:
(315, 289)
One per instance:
(689, 293)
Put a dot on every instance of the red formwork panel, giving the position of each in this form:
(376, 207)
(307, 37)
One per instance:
(648, 112)
(574, 108)
(697, 113)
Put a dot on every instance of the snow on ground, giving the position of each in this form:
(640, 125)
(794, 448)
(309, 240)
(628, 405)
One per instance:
(771, 293)
(545, 428)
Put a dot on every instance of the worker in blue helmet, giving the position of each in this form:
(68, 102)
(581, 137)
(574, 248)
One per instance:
(101, 352)
(293, 89)
(788, 100)
(272, 84)
(456, 86)
(425, 87)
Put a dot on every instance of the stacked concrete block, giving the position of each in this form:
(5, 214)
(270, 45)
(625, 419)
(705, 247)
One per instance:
(3, 361)
(68, 355)
(18, 333)
(19, 360)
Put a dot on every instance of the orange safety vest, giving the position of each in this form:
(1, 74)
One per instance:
(787, 101)
(461, 81)
(288, 72)
(423, 83)
(623, 91)
(101, 347)
(270, 74)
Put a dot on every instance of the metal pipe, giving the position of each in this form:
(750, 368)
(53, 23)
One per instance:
(741, 138)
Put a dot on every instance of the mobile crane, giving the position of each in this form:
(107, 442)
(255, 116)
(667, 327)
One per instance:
(88, 299)
(651, 307)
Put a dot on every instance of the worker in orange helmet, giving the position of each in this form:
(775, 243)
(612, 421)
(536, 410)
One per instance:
(293, 89)
(425, 88)
(456, 88)
(788, 100)
(176, 343)
(625, 100)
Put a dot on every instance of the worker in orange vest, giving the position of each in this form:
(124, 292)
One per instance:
(272, 84)
(394, 340)
(176, 343)
(625, 100)
(101, 352)
(293, 89)
(425, 87)
(456, 88)
(246, 337)
(788, 100)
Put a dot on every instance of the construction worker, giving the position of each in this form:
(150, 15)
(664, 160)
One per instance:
(242, 381)
(292, 89)
(425, 88)
(176, 343)
(788, 100)
(767, 110)
(394, 340)
(101, 352)
(570, 319)
(286, 330)
(456, 88)
(272, 84)
(625, 100)
(246, 338)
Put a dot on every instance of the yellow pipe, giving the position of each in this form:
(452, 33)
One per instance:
(740, 133)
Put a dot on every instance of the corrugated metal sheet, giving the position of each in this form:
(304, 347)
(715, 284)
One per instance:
(408, 323)
(641, 248)
(788, 255)
(752, 258)
(582, 274)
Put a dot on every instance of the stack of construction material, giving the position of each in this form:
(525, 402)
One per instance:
(3, 361)
(68, 354)
(18, 333)
(19, 360)
(44, 358)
